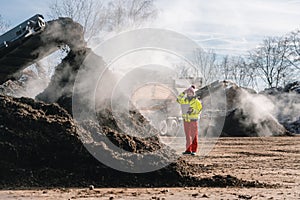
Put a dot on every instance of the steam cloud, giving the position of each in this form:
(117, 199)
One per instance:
(260, 109)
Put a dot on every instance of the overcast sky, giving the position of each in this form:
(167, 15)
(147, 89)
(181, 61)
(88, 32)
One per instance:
(227, 26)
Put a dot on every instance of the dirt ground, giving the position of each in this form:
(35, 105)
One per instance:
(271, 160)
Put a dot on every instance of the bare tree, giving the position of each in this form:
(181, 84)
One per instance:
(183, 71)
(89, 13)
(236, 69)
(3, 25)
(294, 48)
(96, 16)
(270, 61)
(225, 67)
(242, 74)
(130, 13)
(206, 64)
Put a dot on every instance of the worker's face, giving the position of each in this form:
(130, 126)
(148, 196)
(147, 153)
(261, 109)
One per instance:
(190, 94)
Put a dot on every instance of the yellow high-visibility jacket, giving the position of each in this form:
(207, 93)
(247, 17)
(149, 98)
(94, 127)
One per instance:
(194, 103)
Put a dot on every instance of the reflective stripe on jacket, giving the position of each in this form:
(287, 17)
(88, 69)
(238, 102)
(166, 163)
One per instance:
(194, 103)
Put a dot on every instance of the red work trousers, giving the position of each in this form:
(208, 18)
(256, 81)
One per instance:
(191, 134)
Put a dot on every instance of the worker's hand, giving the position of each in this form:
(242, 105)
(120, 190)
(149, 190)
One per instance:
(190, 110)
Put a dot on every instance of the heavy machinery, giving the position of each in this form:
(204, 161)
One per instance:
(34, 39)
(18, 46)
(22, 31)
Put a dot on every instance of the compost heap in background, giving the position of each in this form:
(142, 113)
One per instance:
(287, 105)
(248, 114)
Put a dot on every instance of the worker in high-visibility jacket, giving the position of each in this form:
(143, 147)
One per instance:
(191, 109)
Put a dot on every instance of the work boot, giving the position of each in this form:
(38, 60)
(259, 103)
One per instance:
(186, 153)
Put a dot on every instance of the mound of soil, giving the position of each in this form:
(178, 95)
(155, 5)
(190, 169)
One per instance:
(287, 103)
(238, 123)
(247, 117)
(41, 146)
